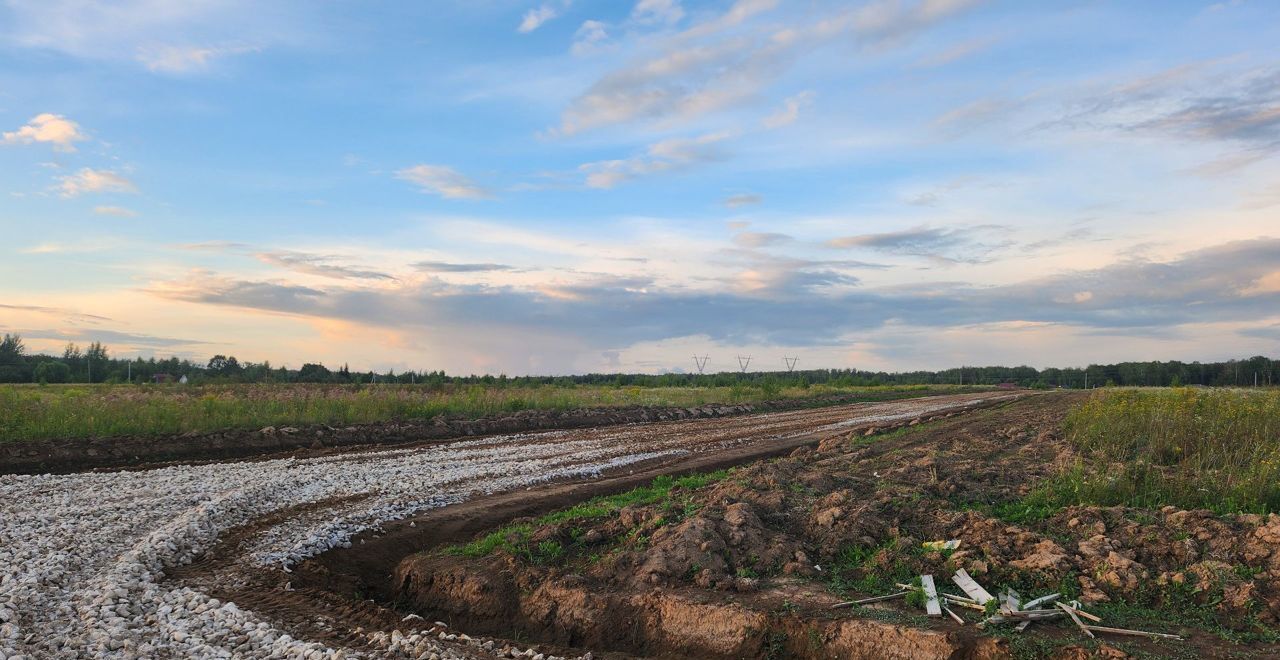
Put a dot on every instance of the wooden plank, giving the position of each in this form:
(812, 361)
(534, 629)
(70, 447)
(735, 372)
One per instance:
(931, 604)
(873, 599)
(1031, 604)
(1022, 626)
(1003, 618)
(1034, 616)
(963, 603)
(1026, 613)
(971, 587)
(1009, 601)
(1136, 633)
(1071, 612)
(1091, 617)
(953, 615)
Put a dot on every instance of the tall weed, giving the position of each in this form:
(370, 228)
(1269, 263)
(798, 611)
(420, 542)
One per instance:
(1190, 447)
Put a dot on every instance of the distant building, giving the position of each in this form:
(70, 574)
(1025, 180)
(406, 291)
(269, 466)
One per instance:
(162, 378)
(183, 380)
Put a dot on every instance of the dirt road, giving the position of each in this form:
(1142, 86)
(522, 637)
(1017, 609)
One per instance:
(85, 556)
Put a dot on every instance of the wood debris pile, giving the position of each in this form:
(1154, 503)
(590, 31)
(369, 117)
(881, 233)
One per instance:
(1005, 608)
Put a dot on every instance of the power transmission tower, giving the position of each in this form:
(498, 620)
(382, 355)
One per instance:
(790, 362)
(743, 362)
(701, 362)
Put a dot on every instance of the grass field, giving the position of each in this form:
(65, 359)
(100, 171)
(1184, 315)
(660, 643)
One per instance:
(1192, 448)
(30, 412)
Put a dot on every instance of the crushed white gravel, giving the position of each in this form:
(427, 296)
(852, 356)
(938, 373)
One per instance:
(83, 556)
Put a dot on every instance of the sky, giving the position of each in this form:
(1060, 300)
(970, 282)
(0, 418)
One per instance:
(570, 186)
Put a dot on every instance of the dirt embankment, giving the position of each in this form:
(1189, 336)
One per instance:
(748, 566)
(734, 569)
(77, 454)
(327, 597)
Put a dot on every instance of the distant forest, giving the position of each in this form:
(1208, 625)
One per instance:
(94, 364)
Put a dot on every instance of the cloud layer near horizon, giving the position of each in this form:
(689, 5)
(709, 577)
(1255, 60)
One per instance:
(1228, 282)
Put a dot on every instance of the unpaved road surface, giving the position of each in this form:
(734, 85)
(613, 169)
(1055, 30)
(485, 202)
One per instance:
(83, 557)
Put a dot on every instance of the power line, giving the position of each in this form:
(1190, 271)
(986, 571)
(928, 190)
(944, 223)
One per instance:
(743, 362)
(790, 362)
(701, 362)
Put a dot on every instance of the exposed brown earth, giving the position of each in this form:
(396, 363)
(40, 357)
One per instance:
(144, 451)
(327, 598)
(749, 566)
(825, 505)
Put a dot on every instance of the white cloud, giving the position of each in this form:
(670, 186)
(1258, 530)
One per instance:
(657, 11)
(890, 20)
(739, 13)
(162, 35)
(744, 199)
(118, 211)
(95, 181)
(755, 239)
(1269, 283)
(730, 60)
(319, 264)
(956, 52)
(186, 59)
(534, 18)
(790, 110)
(443, 181)
(589, 37)
(57, 130)
(664, 156)
(975, 114)
(684, 82)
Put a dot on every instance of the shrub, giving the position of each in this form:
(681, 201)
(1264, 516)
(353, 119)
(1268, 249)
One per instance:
(52, 372)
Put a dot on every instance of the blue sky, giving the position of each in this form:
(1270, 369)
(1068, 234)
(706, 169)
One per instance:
(568, 186)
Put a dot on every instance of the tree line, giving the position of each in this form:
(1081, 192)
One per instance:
(93, 364)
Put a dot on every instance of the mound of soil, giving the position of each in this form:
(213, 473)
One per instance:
(749, 565)
(77, 454)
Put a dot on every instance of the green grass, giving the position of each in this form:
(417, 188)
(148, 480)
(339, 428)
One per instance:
(515, 538)
(856, 569)
(1172, 607)
(1191, 448)
(33, 412)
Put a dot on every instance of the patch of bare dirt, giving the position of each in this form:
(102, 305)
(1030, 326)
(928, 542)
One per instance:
(748, 566)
